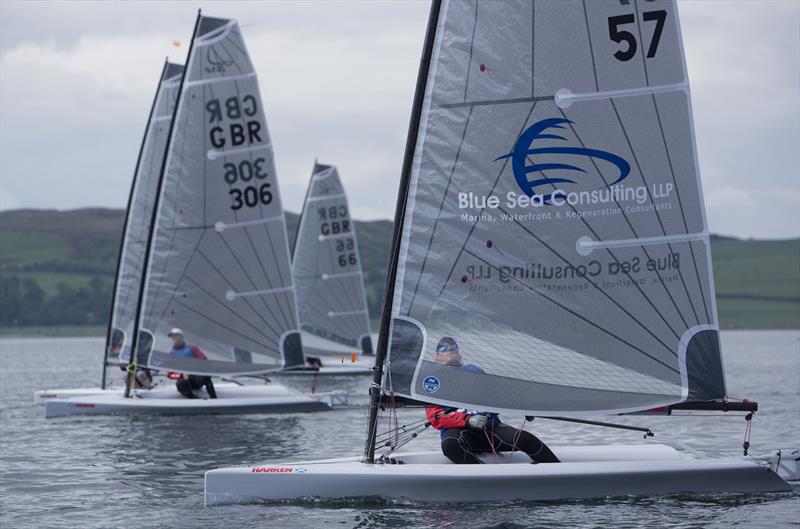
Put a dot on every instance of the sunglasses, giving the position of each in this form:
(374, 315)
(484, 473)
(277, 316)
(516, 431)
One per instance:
(446, 348)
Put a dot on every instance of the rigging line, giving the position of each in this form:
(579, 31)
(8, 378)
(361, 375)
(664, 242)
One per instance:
(252, 282)
(227, 308)
(233, 331)
(630, 225)
(471, 46)
(606, 294)
(660, 223)
(276, 332)
(680, 203)
(441, 208)
(606, 331)
(475, 222)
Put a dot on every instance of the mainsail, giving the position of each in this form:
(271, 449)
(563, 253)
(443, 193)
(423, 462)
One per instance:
(218, 265)
(551, 219)
(130, 262)
(327, 268)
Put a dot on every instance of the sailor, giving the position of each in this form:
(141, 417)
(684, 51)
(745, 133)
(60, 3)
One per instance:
(143, 378)
(466, 433)
(187, 384)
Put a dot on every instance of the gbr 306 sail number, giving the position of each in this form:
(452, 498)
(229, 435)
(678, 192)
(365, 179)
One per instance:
(252, 174)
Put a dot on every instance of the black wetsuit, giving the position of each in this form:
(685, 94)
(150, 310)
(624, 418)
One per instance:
(461, 445)
(188, 384)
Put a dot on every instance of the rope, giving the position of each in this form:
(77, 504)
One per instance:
(516, 438)
(491, 443)
(747, 431)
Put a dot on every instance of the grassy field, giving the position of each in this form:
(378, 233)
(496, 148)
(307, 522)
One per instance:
(57, 330)
(757, 282)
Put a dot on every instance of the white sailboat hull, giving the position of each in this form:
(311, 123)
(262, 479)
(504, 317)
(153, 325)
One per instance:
(269, 398)
(164, 390)
(585, 472)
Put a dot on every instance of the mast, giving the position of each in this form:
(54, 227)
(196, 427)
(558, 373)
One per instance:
(399, 215)
(125, 225)
(137, 321)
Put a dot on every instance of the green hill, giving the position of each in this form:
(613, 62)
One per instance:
(56, 267)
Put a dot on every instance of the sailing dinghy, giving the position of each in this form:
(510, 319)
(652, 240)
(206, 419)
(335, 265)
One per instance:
(329, 281)
(550, 220)
(134, 236)
(216, 258)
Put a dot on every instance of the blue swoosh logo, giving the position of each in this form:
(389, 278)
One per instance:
(523, 149)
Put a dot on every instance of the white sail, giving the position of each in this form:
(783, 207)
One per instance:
(552, 218)
(327, 268)
(137, 221)
(219, 259)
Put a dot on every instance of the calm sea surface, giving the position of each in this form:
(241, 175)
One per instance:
(128, 471)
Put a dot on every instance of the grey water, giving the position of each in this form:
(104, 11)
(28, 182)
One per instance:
(147, 471)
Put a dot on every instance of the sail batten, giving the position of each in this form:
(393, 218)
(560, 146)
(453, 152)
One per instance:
(553, 215)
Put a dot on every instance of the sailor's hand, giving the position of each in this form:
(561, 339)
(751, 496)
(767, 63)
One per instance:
(477, 421)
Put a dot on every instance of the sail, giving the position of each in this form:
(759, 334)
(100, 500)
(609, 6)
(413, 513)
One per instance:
(551, 220)
(327, 269)
(218, 266)
(137, 221)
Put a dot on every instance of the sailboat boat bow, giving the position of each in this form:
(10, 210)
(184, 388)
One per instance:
(550, 228)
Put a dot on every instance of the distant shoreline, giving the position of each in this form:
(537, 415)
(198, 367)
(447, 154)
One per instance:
(62, 331)
(97, 331)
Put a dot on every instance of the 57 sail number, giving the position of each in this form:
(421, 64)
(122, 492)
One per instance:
(252, 194)
(619, 35)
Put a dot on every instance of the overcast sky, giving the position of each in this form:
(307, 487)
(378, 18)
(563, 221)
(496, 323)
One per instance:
(337, 79)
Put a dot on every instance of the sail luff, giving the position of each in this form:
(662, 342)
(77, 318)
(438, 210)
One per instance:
(399, 216)
(114, 295)
(139, 305)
